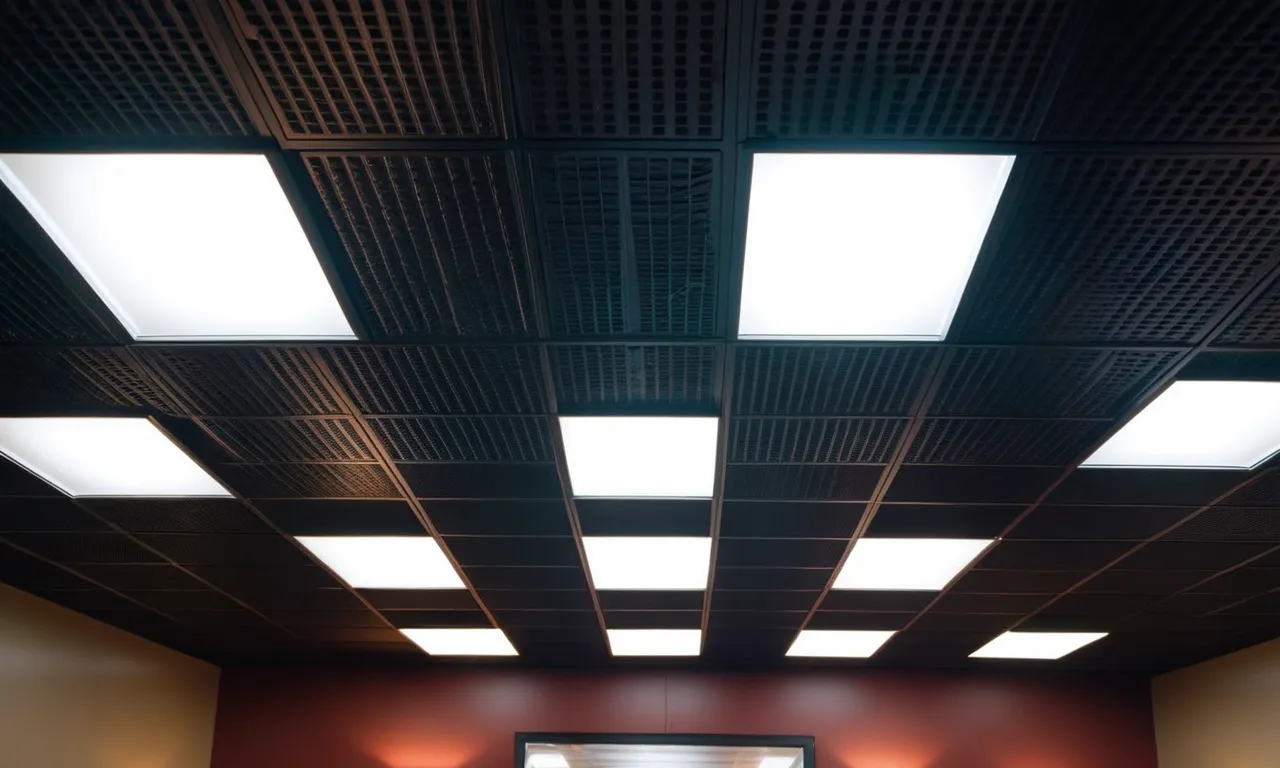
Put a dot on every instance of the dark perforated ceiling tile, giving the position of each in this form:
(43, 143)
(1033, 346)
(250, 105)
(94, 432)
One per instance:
(399, 70)
(1007, 442)
(941, 521)
(828, 380)
(1145, 75)
(1127, 249)
(814, 440)
(612, 379)
(631, 244)
(842, 68)
(433, 240)
(96, 68)
(650, 70)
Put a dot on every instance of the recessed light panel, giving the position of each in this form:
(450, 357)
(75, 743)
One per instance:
(1199, 425)
(864, 246)
(182, 246)
(778, 761)
(546, 760)
(922, 564)
(640, 456)
(104, 457)
(1035, 645)
(385, 562)
(655, 642)
(454, 641)
(648, 562)
(838, 643)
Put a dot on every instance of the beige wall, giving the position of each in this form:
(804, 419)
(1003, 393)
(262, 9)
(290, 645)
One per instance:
(77, 693)
(1223, 713)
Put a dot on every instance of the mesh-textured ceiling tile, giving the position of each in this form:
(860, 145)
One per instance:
(814, 440)
(1125, 581)
(780, 553)
(807, 579)
(1264, 492)
(421, 599)
(1193, 555)
(464, 438)
(618, 68)
(828, 380)
(52, 514)
(268, 481)
(1121, 523)
(1170, 487)
(1230, 524)
(84, 547)
(140, 577)
(650, 600)
(1046, 382)
(514, 550)
(1012, 582)
(99, 68)
(1002, 441)
(242, 382)
(500, 518)
(876, 600)
(268, 440)
(504, 577)
(763, 600)
(976, 484)
(1258, 325)
(1179, 71)
(341, 517)
(441, 380)
(765, 519)
(941, 521)
(801, 481)
(110, 377)
(935, 69)
(631, 243)
(433, 240)
(653, 619)
(600, 378)
(1114, 248)
(225, 549)
(178, 515)
(35, 304)
(1053, 555)
(483, 481)
(375, 69)
(644, 517)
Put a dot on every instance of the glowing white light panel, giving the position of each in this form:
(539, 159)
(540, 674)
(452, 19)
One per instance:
(640, 456)
(1199, 425)
(864, 246)
(95, 456)
(182, 246)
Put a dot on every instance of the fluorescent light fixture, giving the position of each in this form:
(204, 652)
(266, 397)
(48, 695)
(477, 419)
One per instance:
(655, 642)
(1035, 645)
(641, 456)
(95, 456)
(182, 246)
(385, 562)
(1199, 425)
(546, 760)
(921, 564)
(455, 641)
(838, 643)
(778, 761)
(864, 246)
(648, 562)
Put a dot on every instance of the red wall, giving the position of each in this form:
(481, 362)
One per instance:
(869, 719)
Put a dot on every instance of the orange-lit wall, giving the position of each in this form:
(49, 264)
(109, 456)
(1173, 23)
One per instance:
(871, 719)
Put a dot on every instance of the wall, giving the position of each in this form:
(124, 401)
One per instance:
(870, 719)
(76, 692)
(1223, 713)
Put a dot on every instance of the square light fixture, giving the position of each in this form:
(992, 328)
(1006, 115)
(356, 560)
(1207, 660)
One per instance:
(385, 562)
(641, 456)
(546, 760)
(182, 246)
(100, 456)
(864, 246)
(1199, 425)
(908, 564)
(838, 643)
(655, 642)
(648, 562)
(1035, 645)
(778, 761)
(461, 641)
